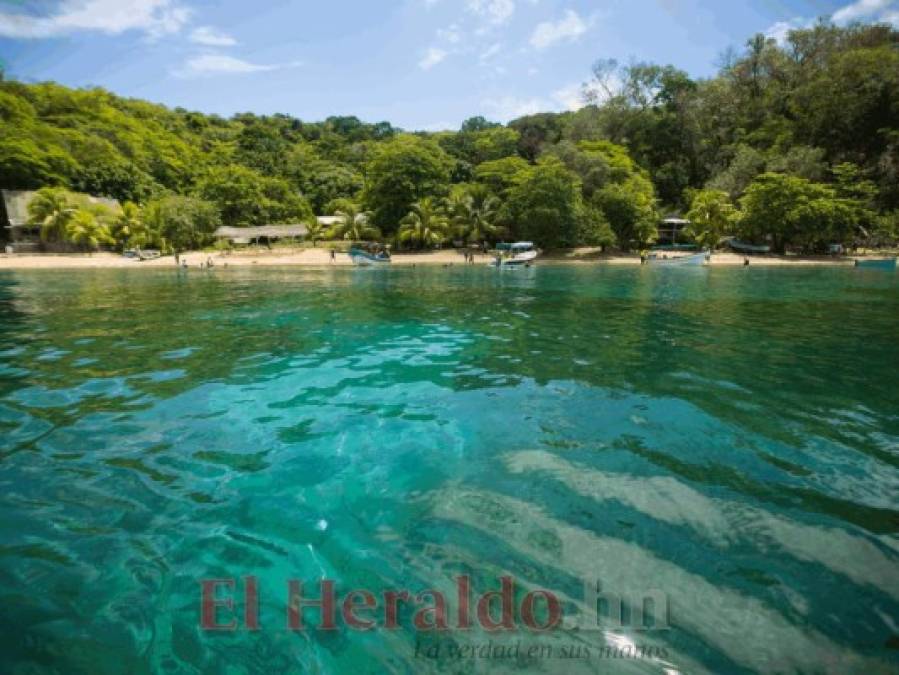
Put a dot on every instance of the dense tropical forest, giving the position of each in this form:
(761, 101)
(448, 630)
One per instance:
(795, 144)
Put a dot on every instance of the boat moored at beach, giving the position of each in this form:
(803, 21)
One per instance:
(876, 263)
(369, 254)
(743, 247)
(511, 256)
(695, 260)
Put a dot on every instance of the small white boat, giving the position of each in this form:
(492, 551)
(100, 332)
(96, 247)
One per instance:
(695, 260)
(519, 254)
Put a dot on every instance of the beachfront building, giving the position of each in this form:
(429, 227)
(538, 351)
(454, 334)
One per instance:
(671, 231)
(265, 234)
(24, 237)
(329, 222)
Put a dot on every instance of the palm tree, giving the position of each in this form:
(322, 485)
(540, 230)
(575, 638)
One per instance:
(425, 224)
(475, 214)
(314, 231)
(711, 216)
(129, 227)
(84, 230)
(50, 208)
(353, 224)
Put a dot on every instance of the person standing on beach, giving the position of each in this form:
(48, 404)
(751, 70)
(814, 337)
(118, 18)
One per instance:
(333, 255)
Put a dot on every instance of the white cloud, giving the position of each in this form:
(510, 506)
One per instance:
(878, 11)
(781, 30)
(576, 96)
(153, 17)
(438, 126)
(495, 11)
(491, 51)
(863, 10)
(450, 34)
(432, 57)
(206, 35)
(508, 108)
(221, 64)
(570, 27)
(570, 97)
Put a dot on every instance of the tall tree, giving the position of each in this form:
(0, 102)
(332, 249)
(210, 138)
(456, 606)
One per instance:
(711, 216)
(425, 224)
(52, 209)
(129, 229)
(474, 214)
(354, 224)
(792, 211)
(545, 205)
(404, 170)
(184, 223)
(84, 230)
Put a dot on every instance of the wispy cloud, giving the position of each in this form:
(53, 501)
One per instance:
(867, 10)
(570, 97)
(494, 11)
(206, 35)
(491, 51)
(570, 27)
(874, 11)
(450, 34)
(507, 108)
(438, 126)
(222, 64)
(432, 57)
(153, 17)
(780, 31)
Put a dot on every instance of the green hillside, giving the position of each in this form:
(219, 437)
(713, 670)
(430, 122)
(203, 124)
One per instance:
(796, 144)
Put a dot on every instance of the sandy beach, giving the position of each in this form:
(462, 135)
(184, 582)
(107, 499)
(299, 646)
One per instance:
(321, 257)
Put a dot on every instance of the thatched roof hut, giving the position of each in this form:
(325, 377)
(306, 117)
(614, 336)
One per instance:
(244, 235)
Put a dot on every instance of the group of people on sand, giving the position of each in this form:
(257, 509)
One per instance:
(209, 263)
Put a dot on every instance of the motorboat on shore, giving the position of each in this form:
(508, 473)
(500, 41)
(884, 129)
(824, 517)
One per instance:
(369, 254)
(511, 256)
(751, 249)
(695, 260)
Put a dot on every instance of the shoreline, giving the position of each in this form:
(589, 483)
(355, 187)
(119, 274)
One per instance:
(313, 257)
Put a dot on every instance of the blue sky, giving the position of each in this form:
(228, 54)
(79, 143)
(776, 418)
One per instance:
(420, 64)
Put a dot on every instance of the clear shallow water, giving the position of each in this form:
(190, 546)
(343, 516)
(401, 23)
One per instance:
(729, 437)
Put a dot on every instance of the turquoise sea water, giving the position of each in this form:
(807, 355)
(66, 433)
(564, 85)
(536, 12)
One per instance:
(726, 437)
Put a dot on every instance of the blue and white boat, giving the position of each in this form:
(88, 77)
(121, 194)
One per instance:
(876, 263)
(695, 260)
(510, 256)
(373, 254)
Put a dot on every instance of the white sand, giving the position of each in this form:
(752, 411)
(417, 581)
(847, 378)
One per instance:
(321, 257)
